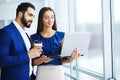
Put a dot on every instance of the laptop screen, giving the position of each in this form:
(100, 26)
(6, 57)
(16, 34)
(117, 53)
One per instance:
(74, 40)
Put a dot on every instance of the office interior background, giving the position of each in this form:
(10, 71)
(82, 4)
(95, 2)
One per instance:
(99, 17)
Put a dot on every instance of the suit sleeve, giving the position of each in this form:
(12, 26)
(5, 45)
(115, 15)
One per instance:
(6, 59)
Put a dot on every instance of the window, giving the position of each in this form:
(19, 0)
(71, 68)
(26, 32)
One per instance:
(116, 37)
(89, 18)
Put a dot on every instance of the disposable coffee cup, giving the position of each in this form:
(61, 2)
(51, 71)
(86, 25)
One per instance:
(37, 43)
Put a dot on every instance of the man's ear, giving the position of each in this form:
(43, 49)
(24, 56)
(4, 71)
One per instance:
(20, 14)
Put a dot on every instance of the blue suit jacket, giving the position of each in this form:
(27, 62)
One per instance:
(13, 55)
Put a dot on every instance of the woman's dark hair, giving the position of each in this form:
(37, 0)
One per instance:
(23, 7)
(40, 19)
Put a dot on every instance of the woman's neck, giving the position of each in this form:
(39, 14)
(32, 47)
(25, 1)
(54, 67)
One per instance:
(47, 32)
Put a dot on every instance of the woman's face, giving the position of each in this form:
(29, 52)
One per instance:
(48, 19)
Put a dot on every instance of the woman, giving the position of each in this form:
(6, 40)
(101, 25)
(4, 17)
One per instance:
(50, 68)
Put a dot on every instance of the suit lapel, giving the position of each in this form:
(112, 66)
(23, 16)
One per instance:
(19, 37)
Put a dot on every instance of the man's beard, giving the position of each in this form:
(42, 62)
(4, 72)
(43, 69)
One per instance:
(24, 22)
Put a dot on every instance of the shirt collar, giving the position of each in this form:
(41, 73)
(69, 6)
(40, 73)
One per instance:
(19, 27)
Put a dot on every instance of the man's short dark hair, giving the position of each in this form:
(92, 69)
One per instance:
(23, 7)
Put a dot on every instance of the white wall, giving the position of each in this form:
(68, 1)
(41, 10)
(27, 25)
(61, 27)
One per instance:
(61, 10)
(8, 12)
(64, 10)
(62, 15)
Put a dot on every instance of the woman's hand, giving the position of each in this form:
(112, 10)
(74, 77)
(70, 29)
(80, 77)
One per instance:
(74, 55)
(45, 59)
(42, 59)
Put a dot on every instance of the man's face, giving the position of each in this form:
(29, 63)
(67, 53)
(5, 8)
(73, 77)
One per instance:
(27, 17)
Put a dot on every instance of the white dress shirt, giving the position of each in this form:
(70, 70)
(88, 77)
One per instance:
(26, 40)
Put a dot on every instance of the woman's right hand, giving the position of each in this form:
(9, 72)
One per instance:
(45, 59)
(42, 59)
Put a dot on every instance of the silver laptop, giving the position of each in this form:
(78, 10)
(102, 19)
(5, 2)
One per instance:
(74, 40)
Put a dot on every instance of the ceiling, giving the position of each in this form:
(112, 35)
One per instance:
(6, 1)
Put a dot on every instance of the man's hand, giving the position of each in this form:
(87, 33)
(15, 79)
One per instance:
(35, 52)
